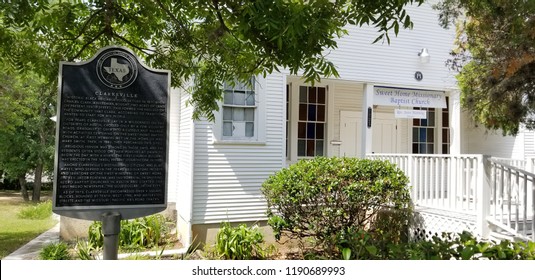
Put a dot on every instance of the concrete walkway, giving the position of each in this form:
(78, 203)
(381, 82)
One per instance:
(30, 251)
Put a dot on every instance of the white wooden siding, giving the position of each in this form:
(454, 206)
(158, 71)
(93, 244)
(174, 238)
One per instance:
(529, 143)
(228, 177)
(185, 160)
(174, 124)
(358, 59)
(479, 141)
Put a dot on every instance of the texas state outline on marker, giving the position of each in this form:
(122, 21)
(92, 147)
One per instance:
(120, 70)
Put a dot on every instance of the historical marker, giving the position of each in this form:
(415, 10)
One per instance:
(111, 137)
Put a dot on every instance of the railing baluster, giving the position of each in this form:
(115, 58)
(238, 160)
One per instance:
(509, 196)
(502, 182)
(525, 204)
(516, 200)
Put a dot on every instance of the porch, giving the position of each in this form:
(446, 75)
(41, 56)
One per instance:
(490, 197)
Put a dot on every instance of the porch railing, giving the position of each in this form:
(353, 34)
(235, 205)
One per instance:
(497, 194)
(512, 195)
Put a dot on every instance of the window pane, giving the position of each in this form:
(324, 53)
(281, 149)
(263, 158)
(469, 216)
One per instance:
(321, 113)
(302, 130)
(415, 134)
(312, 95)
(431, 118)
(302, 112)
(445, 120)
(302, 94)
(227, 128)
(240, 86)
(239, 98)
(416, 122)
(227, 113)
(228, 86)
(445, 149)
(310, 148)
(228, 97)
(415, 148)
(423, 122)
(301, 148)
(249, 129)
(249, 114)
(445, 135)
(250, 99)
(319, 148)
(321, 95)
(311, 130)
(430, 135)
(238, 114)
(312, 112)
(422, 148)
(320, 131)
(423, 134)
(430, 148)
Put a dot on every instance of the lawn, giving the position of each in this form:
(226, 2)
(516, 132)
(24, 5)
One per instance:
(15, 232)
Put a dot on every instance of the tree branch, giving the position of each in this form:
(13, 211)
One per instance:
(176, 20)
(143, 50)
(87, 44)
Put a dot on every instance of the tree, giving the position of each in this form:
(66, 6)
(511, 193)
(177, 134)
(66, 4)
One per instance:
(495, 55)
(207, 42)
(26, 132)
(203, 43)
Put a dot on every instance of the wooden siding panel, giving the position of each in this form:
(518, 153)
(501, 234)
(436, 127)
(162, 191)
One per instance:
(185, 158)
(228, 177)
(358, 59)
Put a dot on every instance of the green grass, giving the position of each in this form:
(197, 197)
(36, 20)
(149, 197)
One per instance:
(14, 231)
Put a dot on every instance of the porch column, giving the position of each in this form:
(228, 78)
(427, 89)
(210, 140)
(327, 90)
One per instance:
(455, 122)
(367, 105)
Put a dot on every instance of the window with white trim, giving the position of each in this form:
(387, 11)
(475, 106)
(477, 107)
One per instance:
(239, 111)
(311, 133)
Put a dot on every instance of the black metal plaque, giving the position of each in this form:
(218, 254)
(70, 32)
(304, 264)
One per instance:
(112, 137)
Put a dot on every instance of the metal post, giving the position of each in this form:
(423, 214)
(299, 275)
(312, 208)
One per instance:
(111, 226)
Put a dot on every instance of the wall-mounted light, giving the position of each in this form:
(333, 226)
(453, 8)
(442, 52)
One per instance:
(424, 56)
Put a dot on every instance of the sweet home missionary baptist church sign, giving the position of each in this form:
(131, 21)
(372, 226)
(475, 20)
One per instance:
(111, 137)
(403, 97)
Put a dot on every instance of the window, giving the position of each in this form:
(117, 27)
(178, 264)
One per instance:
(432, 135)
(423, 133)
(311, 123)
(239, 111)
(446, 129)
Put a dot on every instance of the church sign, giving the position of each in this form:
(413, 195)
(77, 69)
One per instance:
(404, 97)
(111, 137)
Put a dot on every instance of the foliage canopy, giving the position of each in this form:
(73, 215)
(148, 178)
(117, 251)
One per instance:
(495, 55)
(204, 43)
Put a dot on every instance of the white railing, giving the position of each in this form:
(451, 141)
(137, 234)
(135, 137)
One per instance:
(492, 190)
(441, 181)
(512, 197)
(518, 163)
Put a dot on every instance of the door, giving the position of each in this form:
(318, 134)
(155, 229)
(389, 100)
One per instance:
(350, 126)
(385, 136)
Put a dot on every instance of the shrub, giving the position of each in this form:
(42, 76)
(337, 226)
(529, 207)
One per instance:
(55, 251)
(323, 197)
(448, 246)
(39, 211)
(140, 233)
(240, 243)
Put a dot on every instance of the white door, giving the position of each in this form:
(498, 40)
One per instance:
(350, 123)
(385, 136)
